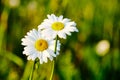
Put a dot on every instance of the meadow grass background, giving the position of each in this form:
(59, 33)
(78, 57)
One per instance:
(96, 20)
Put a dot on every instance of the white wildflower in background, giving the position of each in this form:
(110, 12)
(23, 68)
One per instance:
(37, 46)
(60, 26)
(103, 47)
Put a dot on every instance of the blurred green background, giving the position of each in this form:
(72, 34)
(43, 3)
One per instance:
(91, 54)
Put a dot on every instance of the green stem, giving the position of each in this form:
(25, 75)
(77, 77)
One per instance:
(53, 63)
(31, 74)
(51, 77)
(56, 44)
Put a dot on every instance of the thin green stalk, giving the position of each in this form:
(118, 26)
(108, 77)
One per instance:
(31, 74)
(53, 63)
(56, 44)
(51, 76)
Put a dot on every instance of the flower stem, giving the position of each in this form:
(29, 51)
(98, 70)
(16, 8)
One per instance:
(53, 63)
(51, 76)
(31, 74)
(56, 44)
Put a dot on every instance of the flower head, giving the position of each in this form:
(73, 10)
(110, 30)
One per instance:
(37, 46)
(60, 26)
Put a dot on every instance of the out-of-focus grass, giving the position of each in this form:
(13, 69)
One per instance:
(96, 20)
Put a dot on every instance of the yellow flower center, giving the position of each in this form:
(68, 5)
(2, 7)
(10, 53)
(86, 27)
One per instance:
(57, 26)
(41, 45)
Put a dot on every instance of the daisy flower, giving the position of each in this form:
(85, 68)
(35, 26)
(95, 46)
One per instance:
(57, 26)
(37, 46)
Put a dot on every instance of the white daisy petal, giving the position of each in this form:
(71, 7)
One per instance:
(57, 53)
(31, 34)
(29, 57)
(54, 17)
(41, 61)
(71, 23)
(62, 35)
(33, 56)
(72, 29)
(50, 17)
(26, 42)
(51, 58)
(35, 33)
(68, 33)
(46, 54)
(58, 48)
(44, 57)
(43, 26)
(60, 18)
(65, 20)
(28, 50)
(52, 47)
(51, 52)
(40, 58)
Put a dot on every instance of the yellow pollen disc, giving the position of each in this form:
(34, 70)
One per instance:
(57, 26)
(41, 45)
